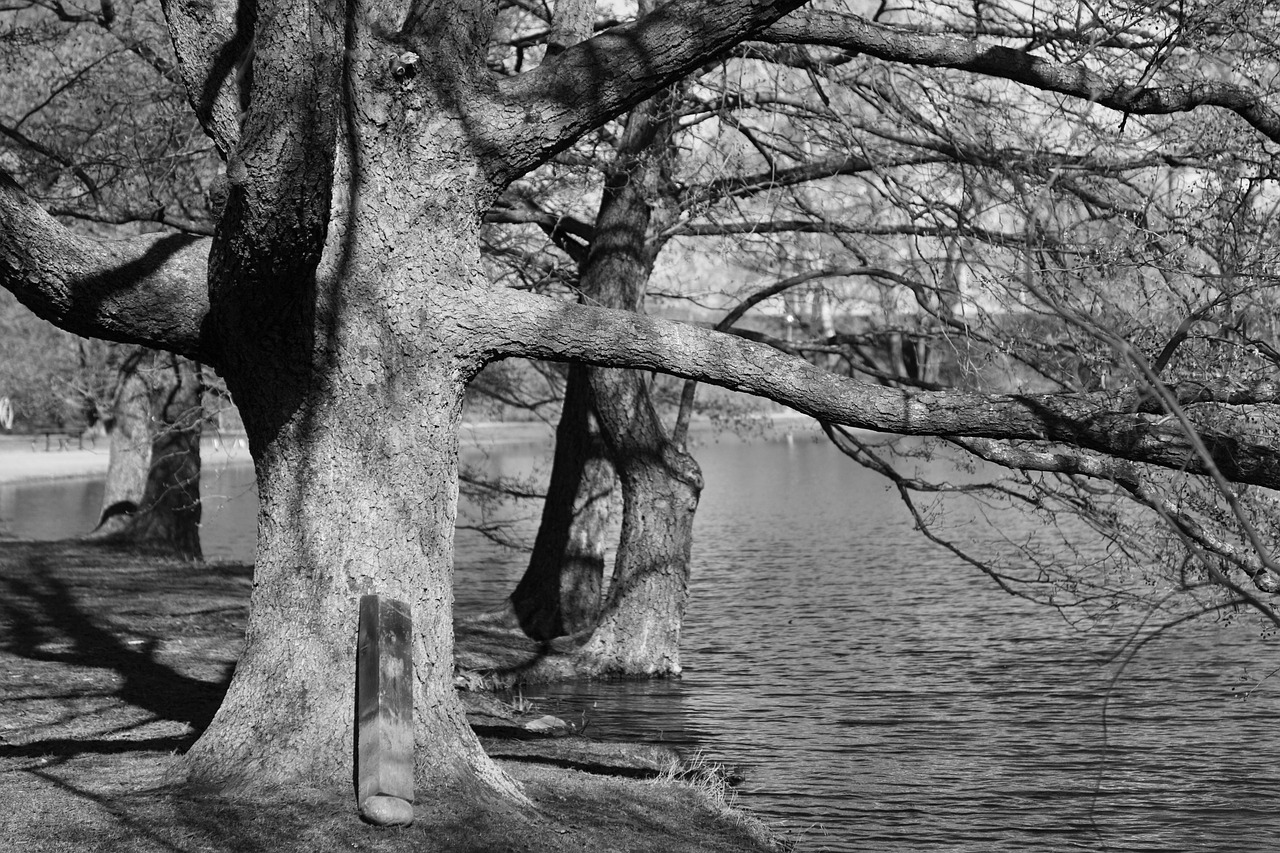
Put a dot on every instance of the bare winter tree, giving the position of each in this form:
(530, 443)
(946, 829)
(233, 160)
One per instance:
(341, 299)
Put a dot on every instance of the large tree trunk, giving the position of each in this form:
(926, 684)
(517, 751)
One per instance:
(562, 588)
(152, 495)
(637, 633)
(350, 383)
(334, 477)
(341, 308)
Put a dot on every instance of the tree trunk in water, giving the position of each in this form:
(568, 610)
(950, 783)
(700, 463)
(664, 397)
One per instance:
(153, 480)
(561, 590)
(638, 633)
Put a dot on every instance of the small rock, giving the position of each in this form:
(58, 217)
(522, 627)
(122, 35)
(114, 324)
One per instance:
(387, 811)
(548, 725)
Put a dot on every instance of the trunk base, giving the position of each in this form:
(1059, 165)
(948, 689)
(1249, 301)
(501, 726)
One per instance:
(494, 651)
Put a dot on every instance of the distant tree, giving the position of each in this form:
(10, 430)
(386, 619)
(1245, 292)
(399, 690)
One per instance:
(50, 377)
(89, 76)
(152, 493)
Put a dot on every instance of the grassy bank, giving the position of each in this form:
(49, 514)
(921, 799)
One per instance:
(112, 664)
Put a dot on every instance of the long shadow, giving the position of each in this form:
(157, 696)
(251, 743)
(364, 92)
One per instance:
(63, 748)
(45, 623)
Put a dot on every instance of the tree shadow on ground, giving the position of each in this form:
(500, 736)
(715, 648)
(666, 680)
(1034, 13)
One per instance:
(55, 612)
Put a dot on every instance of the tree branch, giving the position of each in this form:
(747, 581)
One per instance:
(857, 35)
(737, 186)
(45, 151)
(819, 226)
(177, 223)
(537, 327)
(571, 234)
(147, 290)
(1128, 478)
(543, 111)
(210, 39)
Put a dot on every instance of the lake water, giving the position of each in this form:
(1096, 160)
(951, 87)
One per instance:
(877, 694)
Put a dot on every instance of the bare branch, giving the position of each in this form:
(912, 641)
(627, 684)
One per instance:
(543, 111)
(893, 44)
(819, 226)
(1128, 477)
(537, 327)
(161, 216)
(570, 234)
(45, 151)
(149, 290)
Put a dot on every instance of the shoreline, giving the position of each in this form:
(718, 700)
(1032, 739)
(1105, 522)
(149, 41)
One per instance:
(23, 459)
(98, 726)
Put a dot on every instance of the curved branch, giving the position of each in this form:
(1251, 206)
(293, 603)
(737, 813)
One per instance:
(210, 39)
(537, 327)
(177, 223)
(818, 226)
(147, 290)
(857, 35)
(543, 111)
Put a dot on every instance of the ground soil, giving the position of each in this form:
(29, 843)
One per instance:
(112, 662)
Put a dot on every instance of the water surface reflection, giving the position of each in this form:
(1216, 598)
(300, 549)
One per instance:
(878, 695)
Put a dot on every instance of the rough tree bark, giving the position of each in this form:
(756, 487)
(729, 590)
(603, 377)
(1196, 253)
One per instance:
(346, 317)
(344, 309)
(638, 633)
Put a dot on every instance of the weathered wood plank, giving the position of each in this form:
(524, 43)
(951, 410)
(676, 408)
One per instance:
(384, 708)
